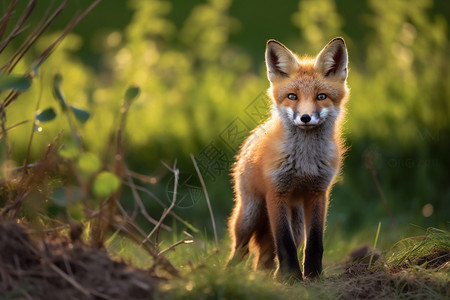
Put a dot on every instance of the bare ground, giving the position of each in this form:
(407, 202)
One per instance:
(56, 268)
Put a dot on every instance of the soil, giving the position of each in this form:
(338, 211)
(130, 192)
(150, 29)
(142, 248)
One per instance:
(359, 281)
(58, 268)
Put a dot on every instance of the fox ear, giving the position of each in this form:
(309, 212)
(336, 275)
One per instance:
(332, 60)
(280, 61)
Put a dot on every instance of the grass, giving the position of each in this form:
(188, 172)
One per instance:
(433, 245)
(414, 268)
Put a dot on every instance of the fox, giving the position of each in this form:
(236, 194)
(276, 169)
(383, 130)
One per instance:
(285, 169)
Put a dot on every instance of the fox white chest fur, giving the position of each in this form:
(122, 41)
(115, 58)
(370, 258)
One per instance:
(307, 158)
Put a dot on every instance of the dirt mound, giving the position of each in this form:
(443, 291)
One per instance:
(59, 269)
(364, 278)
(437, 259)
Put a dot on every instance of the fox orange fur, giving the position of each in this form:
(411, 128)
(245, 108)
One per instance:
(285, 169)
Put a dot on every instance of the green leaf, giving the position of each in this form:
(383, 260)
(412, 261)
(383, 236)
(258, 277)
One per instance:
(14, 82)
(105, 184)
(59, 197)
(66, 195)
(131, 94)
(69, 150)
(57, 91)
(76, 211)
(46, 115)
(88, 163)
(80, 114)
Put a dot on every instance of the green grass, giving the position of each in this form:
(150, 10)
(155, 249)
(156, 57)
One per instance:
(434, 243)
(413, 268)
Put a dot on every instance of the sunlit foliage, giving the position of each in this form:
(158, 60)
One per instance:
(194, 82)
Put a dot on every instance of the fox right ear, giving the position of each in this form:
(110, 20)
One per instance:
(280, 61)
(332, 60)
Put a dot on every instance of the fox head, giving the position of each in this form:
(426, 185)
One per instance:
(307, 92)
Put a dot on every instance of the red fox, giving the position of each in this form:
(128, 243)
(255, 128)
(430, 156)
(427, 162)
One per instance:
(285, 169)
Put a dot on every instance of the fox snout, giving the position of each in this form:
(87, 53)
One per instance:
(309, 119)
(305, 118)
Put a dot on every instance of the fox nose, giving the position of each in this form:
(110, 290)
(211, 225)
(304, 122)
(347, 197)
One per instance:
(305, 118)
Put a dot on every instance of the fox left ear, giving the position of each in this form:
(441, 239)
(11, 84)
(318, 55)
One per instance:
(280, 61)
(332, 60)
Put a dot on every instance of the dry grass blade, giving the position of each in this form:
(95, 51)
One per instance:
(66, 30)
(3, 130)
(145, 178)
(424, 250)
(207, 199)
(17, 29)
(135, 237)
(14, 207)
(176, 173)
(157, 200)
(5, 19)
(129, 221)
(12, 95)
(56, 269)
(46, 53)
(175, 245)
(68, 278)
(15, 125)
(32, 38)
(139, 202)
(159, 260)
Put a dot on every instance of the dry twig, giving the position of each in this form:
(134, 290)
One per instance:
(141, 205)
(207, 198)
(157, 200)
(174, 198)
(185, 241)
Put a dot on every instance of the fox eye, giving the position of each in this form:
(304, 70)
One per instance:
(292, 96)
(321, 97)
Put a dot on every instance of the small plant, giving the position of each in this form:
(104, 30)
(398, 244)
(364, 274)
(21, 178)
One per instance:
(18, 182)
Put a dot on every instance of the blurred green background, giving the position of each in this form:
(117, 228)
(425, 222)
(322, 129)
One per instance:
(200, 67)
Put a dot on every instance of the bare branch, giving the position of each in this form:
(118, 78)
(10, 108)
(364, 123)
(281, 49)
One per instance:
(133, 224)
(207, 198)
(32, 38)
(16, 125)
(175, 245)
(138, 200)
(17, 28)
(69, 28)
(7, 16)
(74, 283)
(166, 211)
(157, 200)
